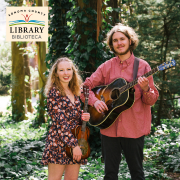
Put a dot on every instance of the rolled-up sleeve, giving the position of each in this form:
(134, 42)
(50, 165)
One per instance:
(151, 96)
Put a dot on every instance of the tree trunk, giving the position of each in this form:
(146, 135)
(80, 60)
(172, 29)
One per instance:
(114, 14)
(41, 54)
(28, 95)
(59, 29)
(161, 95)
(91, 28)
(160, 110)
(18, 86)
(17, 95)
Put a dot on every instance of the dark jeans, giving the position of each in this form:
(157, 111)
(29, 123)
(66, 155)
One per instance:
(133, 150)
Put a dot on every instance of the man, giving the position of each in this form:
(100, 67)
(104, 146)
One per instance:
(127, 132)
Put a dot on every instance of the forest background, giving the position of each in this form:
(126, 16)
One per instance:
(77, 29)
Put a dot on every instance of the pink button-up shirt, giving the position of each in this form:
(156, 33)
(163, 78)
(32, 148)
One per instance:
(135, 121)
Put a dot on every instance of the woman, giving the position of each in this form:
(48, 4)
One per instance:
(63, 105)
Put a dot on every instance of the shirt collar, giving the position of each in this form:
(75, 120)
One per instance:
(127, 61)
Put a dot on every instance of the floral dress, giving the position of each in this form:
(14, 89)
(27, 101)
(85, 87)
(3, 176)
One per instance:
(65, 116)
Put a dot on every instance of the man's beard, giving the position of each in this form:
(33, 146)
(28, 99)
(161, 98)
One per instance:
(122, 53)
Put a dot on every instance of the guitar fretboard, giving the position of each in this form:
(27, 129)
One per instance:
(85, 110)
(133, 83)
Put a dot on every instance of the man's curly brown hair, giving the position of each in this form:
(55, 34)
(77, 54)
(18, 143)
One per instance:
(127, 31)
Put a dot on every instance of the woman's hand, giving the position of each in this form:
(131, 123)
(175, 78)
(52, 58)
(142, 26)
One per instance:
(77, 153)
(100, 106)
(85, 116)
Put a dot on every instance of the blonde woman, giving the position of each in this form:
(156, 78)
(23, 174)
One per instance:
(63, 106)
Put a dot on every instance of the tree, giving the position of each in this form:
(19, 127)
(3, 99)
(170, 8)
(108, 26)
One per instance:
(17, 97)
(115, 12)
(158, 27)
(27, 79)
(41, 54)
(59, 30)
(86, 47)
(5, 67)
(18, 86)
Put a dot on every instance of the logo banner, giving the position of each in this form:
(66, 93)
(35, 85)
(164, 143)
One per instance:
(26, 23)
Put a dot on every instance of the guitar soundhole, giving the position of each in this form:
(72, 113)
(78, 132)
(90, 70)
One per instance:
(115, 94)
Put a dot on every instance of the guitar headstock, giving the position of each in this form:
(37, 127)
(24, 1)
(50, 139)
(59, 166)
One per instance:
(86, 91)
(167, 65)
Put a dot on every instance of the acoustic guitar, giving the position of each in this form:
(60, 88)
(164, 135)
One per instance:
(118, 96)
(82, 132)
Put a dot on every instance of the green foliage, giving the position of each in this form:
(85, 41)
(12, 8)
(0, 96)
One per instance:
(95, 170)
(58, 30)
(95, 141)
(164, 146)
(20, 2)
(20, 158)
(21, 149)
(5, 67)
(157, 24)
(22, 146)
(84, 49)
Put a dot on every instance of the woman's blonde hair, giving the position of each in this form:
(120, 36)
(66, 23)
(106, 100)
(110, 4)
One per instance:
(53, 79)
(127, 31)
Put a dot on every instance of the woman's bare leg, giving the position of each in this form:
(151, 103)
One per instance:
(72, 172)
(55, 171)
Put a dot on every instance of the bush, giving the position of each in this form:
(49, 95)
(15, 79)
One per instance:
(5, 67)
(22, 146)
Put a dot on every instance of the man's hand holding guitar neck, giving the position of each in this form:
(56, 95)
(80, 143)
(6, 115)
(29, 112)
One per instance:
(143, 83)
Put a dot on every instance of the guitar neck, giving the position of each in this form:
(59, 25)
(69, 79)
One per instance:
(85, 111)
(133, 83)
